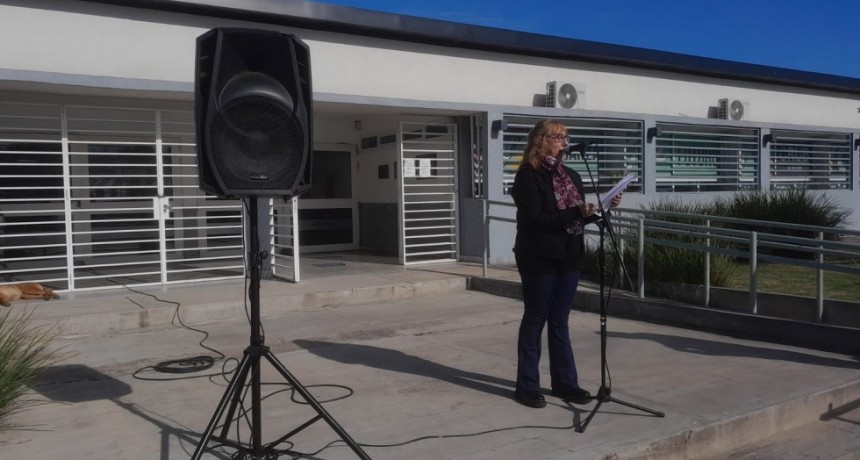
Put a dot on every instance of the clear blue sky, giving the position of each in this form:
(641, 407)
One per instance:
(813, 35)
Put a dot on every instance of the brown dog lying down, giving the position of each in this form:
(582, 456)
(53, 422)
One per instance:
(12, 292)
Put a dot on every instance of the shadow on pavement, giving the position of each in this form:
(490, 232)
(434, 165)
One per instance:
(721, 348)
(397, 361)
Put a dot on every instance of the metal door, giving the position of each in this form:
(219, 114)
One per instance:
(428, 192)
(97, 196)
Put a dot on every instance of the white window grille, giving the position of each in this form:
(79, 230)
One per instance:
(616, 150)
(32, 212)
(695, 158)
(477, 163)
(810, 160)
(96, 196)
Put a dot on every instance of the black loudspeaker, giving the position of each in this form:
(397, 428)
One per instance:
(252, 92)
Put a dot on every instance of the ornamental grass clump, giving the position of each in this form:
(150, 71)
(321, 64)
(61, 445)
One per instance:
(670, 256)
(25, 350)
(789, 206)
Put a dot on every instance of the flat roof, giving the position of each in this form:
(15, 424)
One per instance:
(340, 19)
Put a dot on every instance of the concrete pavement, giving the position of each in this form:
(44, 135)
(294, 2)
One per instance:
(412, 365)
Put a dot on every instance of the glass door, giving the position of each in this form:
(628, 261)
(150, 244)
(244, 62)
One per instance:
(328, 213)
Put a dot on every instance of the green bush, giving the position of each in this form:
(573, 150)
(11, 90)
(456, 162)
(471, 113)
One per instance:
(681, 265)
(666, 263)
(661, 263)
(24, 351)
(678, 265)
(791, 206)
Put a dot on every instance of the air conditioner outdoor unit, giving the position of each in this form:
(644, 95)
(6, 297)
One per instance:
(732, 109)
(565, 95)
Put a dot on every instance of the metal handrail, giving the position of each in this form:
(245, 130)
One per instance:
(640, 226)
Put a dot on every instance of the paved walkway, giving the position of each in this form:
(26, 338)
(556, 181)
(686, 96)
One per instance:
(412, 365)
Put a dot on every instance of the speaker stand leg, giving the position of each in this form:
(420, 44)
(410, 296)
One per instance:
(249, 367)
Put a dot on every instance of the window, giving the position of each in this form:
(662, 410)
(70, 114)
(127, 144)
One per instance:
(811, 160)
(331, 175)
(617, 150)
(694, 158)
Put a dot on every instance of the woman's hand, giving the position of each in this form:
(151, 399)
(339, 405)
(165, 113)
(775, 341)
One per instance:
(587, 209)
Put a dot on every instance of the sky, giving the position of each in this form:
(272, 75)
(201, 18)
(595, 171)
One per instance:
(813, 35)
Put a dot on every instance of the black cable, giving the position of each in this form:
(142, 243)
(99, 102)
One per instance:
(243, 414)
(339, 442)
(181, 365)
(248, 268)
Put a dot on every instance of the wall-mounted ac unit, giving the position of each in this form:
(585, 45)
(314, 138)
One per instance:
(565, 95)
(732, 109)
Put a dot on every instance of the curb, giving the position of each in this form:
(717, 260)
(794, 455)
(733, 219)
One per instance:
(723, 437)
(825, 337)
(151, 313)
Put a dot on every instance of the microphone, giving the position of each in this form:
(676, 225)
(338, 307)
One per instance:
(579, 148)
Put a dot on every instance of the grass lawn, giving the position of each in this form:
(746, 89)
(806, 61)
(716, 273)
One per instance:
(799, 281)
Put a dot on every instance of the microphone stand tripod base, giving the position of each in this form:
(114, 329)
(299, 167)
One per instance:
(604, 393)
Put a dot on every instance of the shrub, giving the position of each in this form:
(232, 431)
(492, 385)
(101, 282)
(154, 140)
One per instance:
(791, 206)
(662, 263)
(678, 265)
(681, 265)
(24, 351)
(667, 263)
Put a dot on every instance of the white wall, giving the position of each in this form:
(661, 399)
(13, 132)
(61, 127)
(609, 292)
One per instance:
(156, 48)
(87, 44)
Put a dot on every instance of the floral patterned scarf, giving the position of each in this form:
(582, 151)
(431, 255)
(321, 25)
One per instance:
(566, 194)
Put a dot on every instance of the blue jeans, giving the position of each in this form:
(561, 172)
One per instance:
(547, 298)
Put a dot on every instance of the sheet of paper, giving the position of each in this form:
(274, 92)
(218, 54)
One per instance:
(606, 198)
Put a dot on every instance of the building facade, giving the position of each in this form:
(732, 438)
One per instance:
(415, 122)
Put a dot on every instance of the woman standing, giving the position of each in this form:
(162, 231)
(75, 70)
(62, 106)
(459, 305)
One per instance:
(551, 213)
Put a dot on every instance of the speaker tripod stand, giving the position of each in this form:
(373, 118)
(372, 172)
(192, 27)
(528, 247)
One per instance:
(604, 393)
(249, 367)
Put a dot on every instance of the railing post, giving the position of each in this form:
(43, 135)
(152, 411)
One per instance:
(640, 275)
(819, 296)
(708, 264)
(753, 301)
(485, 210)
(619, 268)
(294, 215)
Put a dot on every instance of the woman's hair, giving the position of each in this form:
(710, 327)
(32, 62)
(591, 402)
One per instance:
(538, 143)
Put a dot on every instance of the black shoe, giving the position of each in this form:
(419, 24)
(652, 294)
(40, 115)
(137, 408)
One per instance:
(575, 395)
(534, 399)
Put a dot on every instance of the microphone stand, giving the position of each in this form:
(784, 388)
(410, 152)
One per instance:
(604, 393)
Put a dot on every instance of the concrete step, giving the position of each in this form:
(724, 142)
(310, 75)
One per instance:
(836, 436)
(127, 309)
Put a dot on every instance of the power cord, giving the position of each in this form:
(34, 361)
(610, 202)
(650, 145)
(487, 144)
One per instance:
(182, 365)
(339, 442)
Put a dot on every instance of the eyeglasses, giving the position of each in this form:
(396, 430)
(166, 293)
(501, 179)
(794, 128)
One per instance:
(557, 137)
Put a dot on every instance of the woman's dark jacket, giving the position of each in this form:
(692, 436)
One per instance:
(543, 245)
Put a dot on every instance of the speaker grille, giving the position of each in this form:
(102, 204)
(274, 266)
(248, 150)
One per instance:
(258, 142)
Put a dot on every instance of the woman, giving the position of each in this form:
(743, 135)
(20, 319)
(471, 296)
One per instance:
(551, 213)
